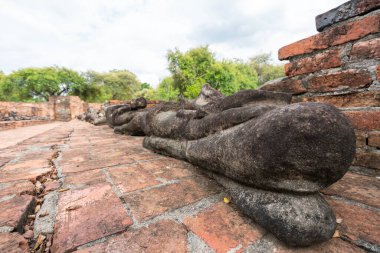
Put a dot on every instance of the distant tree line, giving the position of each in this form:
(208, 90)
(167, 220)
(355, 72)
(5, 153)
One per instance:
(189, 71)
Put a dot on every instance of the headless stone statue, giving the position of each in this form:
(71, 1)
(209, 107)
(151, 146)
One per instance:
(272, 156)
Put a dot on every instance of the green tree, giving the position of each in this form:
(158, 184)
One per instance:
(265, 69)
(116, 84)
(192, 69)
(189, 69)
(37, 84)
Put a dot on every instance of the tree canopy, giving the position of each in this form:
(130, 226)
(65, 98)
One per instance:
(188, 72)
(192, 69)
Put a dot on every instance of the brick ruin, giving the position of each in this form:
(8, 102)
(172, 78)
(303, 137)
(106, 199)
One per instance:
(341, 66)
(58, 108)
(56, 188)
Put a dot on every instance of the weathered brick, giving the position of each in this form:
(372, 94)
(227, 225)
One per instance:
(345, 11)
(131, 178)
(324, 60)
(22, 174)
(89, 177)
(223, 228)
(51, 186)
(369, 159)
(287, 85)
(361, 139)
(167, 168)
(335, 245)
(14, 211)
(86, 215)
(16, 188)
(163, 236)
(96, 164)
(374, 139)
(356, 187)
(13, 243)
(364, 119)
(356, 99)
(357, 223)
(369, 49)
(342, 80)
(331, 37)
(152, 202)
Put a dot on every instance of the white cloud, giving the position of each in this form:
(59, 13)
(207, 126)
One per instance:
(136, 34)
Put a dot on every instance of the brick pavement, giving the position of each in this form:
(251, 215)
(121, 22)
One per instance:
(81, 188)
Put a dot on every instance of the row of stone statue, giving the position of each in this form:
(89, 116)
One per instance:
(272, 156)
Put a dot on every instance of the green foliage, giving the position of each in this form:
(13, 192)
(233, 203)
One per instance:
(145, 86)
(116, 84)
(264, 68)
(37, 84)
(192, 69)
(189, 72)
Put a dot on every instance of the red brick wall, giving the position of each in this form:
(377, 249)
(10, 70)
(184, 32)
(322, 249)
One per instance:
(25, 109)
(341, 66)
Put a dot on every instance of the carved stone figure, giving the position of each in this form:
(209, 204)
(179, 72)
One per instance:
(272, 156)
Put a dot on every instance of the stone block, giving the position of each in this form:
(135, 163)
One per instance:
(374, 139)
(362, 189)
(131, 178)
(369, 49)
(13, 243)
(324, 60)
(341, 80)
(163, 236)
(332, 37)
(358, 224)
(345, 11)
(370, 159)
(224, 229)
(85, 215)
(16, 188)
(14, 211)
(167, 168)
(287, 85)
(364, 119)
(152, 202)
(355, 99)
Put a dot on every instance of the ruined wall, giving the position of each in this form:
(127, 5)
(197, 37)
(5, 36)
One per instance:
(31, 110)
(66, 108)
(341, 66)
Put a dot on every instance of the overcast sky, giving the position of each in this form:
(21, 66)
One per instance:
(135, 34)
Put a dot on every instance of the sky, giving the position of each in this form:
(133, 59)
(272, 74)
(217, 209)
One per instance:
(102, 35)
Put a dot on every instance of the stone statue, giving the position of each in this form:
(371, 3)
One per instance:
(272, 156)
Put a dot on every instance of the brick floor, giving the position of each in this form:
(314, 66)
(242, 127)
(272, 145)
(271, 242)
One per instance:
(115, 196)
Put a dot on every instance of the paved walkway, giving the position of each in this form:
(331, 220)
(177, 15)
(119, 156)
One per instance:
(81, 188)
(12, 137)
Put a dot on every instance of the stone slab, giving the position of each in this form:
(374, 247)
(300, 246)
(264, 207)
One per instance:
(85, 215)
(13, 243)
(362, 189)
(14, 211)
(345, 11)
(224, 229)
(152, 202)
(163, 236)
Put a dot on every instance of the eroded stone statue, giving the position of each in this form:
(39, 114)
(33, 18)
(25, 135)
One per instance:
(272, 156)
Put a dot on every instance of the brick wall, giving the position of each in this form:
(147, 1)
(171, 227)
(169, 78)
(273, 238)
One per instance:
(24, 109)
(341, 66)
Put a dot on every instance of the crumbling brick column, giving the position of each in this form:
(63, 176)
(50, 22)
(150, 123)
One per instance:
(341, 66)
